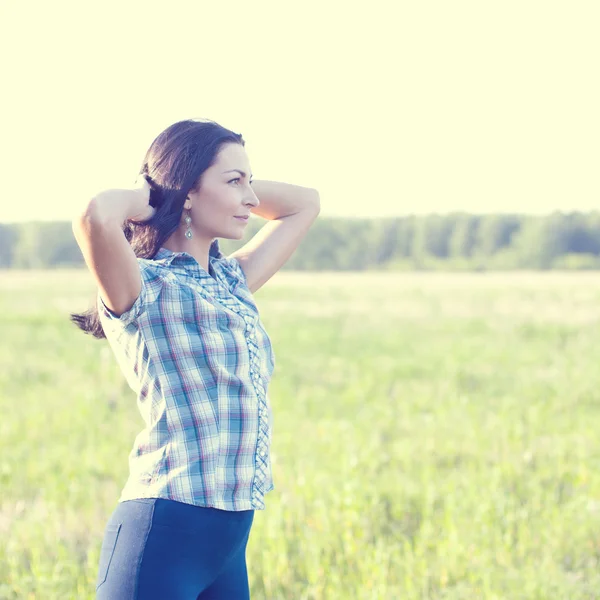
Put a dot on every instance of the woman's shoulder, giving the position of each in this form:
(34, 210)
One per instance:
(152, 279)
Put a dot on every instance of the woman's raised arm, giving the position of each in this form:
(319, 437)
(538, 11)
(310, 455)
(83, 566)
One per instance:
(98, 230)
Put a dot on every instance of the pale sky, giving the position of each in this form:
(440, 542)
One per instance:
(387, 108)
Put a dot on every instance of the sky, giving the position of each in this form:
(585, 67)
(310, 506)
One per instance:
(386, 108)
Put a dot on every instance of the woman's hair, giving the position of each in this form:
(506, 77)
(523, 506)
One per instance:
(173, 166)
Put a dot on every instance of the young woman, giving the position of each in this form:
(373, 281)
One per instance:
(183, 325)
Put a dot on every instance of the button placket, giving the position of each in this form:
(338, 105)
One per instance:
(261, 455)
(263, 438)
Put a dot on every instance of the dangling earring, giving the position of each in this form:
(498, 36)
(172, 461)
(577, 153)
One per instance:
(188, 222)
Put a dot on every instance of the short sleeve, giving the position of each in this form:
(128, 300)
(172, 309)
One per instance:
(151, 287)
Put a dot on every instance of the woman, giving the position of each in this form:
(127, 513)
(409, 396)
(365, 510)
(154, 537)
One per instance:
(185, 330)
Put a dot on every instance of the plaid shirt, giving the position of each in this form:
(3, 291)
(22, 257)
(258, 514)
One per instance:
(194, 350)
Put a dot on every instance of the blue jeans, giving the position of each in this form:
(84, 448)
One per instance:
(156, 549)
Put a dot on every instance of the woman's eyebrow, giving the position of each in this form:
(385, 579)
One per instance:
(240, 172)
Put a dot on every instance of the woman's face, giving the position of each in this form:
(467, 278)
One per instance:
(224, 194)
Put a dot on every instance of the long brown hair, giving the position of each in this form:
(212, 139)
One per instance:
(173, 166)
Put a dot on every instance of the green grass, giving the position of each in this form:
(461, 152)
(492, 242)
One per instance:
(435, 437)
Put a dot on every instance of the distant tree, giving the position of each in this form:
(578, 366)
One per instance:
(583, 233)
(463, 238)
(8, 238)
(495, 232)
(406, 234)
(28, 251)
(432, 236)
(386, 240)
(540, 241)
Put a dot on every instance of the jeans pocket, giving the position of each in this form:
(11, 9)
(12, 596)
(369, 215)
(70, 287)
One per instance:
(107, 551)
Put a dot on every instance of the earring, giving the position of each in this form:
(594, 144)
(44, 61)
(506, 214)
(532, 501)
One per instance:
(188, 222)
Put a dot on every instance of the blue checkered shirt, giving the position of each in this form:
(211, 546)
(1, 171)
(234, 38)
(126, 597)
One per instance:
(194, 350)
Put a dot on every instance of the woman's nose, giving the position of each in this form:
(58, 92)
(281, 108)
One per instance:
(254, 201)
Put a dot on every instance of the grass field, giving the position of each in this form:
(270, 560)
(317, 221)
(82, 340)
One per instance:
(436, 436)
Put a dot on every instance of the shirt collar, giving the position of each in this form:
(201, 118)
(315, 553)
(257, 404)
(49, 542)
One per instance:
(166, 256)
(185, 261)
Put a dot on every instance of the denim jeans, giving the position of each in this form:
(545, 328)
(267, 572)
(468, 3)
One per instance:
(162, 549)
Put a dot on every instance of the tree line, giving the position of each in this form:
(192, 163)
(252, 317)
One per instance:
(455, 241)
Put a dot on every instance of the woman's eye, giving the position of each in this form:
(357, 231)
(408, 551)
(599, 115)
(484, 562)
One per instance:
(236, 179)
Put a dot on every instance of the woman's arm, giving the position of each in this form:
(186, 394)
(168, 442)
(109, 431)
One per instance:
(98, 230)
(282, 199)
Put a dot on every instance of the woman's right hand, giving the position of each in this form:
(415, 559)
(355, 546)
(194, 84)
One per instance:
(120, 205)
(142, 206)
